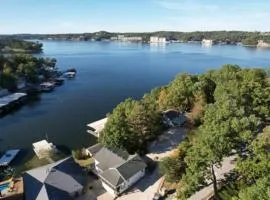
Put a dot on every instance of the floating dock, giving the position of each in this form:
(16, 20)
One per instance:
(6, 159)
(96, 127)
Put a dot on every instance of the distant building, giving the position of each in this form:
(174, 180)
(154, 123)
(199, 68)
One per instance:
(120, 37)
(114, 38)
(207, 42)
(117, 169)
(263, 44)
(154, 39)
(265, 33)
(132, 39)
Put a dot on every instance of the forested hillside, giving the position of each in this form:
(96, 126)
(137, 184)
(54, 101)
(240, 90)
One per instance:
(228, 113)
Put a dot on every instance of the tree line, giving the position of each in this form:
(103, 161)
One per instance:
(11, 45)
(236, 121)
(230, 37)
(23, 66)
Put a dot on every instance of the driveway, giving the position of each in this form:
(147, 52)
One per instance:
(227, 165)
(94, 190)
(166, 143)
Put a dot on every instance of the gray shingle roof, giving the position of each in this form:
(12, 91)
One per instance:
(112, 176)
(95, 148)
(117, 165)
(131, 167)
(107, 159)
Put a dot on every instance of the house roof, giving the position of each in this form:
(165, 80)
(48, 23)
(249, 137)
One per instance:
(131, 167)
(95, 148)
(117, 165)
(112, 176)
(107, 159)
(171, 114)
(54, 181)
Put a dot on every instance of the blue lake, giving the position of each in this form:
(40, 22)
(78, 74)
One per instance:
(109, 72)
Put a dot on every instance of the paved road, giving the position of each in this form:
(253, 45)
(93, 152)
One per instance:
(227, 165)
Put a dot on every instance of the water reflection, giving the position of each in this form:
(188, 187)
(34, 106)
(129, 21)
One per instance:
(157, 47)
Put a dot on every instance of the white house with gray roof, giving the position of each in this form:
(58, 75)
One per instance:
(117, 169)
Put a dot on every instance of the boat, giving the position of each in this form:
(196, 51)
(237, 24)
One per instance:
(9, 155)
(44, 149)
(70, 73)
(47, 86)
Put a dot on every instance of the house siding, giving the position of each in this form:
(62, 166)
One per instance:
(126, 184)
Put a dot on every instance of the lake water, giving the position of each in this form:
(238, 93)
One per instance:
(108, 72)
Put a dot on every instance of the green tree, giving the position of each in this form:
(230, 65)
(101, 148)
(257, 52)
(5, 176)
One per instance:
(179, 94)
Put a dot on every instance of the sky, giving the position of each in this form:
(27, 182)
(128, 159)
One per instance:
(80, 16)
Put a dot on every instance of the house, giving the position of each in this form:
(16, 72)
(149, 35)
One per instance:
(61, 180)
(116, 168)
(173, 118)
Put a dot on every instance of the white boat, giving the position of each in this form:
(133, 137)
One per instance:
(69, 74)
(47, 86)
(43, 149)
(9, 155)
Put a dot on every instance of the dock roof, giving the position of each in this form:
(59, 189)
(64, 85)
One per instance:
(10, 98)
(8, 157)
(98, 125)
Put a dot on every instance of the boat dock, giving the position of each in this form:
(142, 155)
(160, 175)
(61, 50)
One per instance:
(10, 100)
(44, 149)
(6, 159)
(96, 127)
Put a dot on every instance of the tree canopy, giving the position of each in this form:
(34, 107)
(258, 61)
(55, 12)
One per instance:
(22, 66)
(11, 45)
(234, 112)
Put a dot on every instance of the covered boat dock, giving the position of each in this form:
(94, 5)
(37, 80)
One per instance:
(10, 100)
(96, 127)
